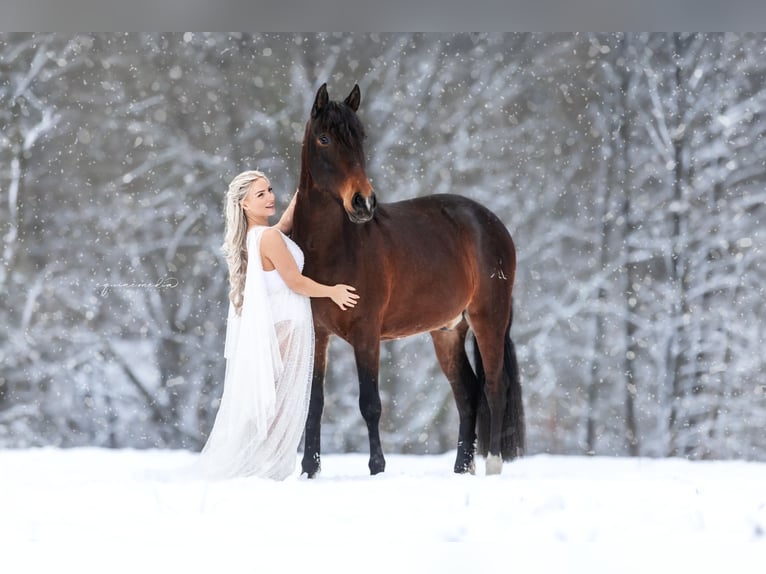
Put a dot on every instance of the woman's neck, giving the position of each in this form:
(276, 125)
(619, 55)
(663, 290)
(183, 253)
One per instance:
(257, 222)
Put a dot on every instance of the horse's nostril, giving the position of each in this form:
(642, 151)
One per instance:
(362, 204)
(358, 201)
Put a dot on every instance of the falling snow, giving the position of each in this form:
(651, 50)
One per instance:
(628, 168)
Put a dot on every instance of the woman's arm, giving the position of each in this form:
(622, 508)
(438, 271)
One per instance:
(285, 223)
(274, 251)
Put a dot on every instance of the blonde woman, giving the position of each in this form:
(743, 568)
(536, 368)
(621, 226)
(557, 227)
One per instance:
(269, 339)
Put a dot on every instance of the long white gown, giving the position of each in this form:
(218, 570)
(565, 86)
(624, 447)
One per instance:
(269, 354)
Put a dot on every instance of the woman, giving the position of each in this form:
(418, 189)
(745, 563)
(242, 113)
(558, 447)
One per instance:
(269, 339)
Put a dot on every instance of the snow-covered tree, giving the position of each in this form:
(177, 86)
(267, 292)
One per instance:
(628, 168)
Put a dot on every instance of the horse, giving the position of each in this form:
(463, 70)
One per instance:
(442, 264)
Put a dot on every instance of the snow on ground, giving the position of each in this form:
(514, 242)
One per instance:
(95, 510)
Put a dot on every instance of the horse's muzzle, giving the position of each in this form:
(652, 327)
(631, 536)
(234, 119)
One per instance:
(363, 208)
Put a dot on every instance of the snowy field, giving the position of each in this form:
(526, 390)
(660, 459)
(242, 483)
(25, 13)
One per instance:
(94, 510)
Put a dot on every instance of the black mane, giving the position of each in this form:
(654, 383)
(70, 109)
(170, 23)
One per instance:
(338, 119)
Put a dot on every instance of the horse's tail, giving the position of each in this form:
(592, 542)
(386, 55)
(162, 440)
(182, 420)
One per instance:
(513, 438)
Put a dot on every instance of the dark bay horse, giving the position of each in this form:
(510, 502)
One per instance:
(442, 264)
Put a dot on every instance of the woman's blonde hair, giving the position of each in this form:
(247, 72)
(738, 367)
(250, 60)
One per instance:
(235, 245)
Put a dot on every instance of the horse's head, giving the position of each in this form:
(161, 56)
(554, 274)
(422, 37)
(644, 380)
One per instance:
(333, 150)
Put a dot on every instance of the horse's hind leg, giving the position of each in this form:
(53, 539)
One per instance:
(311, 462)
(450, 351)
(489, 327)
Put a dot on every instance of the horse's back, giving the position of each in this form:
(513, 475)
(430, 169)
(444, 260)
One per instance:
(446, 217)
(447, 246)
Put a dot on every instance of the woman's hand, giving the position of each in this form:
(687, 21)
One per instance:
(344, 296)
(285, 223)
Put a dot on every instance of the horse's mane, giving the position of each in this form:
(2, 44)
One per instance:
(345, 125)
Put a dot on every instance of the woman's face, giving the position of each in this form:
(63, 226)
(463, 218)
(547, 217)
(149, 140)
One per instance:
(259, 201)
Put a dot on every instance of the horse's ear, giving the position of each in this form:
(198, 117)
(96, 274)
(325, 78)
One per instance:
(321, 100)
(353, 99)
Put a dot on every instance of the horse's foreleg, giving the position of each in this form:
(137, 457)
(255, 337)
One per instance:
(311, 463)
(367, 362)
(450, 351)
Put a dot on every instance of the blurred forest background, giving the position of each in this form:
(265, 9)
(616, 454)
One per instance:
(630, 170)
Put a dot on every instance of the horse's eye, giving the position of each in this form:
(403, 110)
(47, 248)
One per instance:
(324, 140)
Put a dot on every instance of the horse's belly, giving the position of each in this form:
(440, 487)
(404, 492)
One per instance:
(421, 307)
(415, 322)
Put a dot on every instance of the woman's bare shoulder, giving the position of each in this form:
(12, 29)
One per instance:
(272, 238)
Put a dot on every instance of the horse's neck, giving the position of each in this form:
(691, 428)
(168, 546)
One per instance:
(318, 220)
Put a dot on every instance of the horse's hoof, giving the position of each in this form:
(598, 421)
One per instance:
(494, 464)
(465, 467)
(311, 468)
(377, 465)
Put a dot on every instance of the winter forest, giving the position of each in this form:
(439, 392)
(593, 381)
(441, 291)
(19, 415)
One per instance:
(629, 169)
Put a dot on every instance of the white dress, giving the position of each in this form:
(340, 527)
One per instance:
(269, 354)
